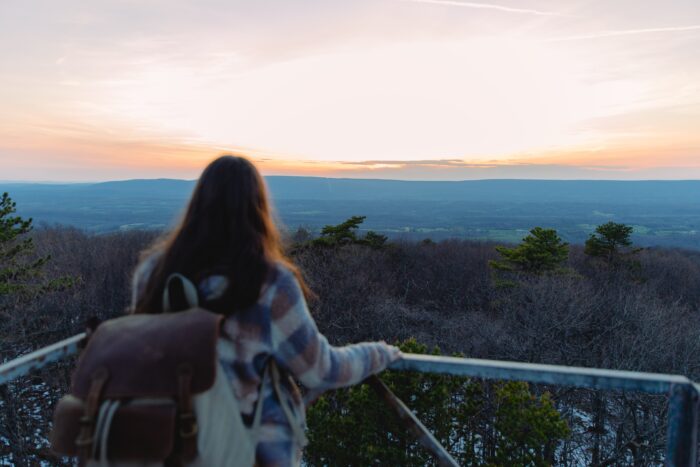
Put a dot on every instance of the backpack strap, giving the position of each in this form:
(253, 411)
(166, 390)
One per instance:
(179, 294)
(104, 422)
(179, 288)
(294, 422)
(271, 373)
(85, 440)
(187, 421)
(257, 416)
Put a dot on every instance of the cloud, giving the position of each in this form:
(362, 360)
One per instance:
(623, 32)
(434, 163)
(488, 6)
(460, 169)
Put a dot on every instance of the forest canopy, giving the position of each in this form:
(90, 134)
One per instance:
(424, 294)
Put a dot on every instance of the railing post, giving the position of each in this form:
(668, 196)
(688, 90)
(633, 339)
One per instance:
(682, 442)
(419, 431)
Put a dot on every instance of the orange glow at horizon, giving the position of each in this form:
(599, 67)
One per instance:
(120, 156)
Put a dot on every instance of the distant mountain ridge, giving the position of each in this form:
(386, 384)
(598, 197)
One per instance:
(662, 212)
(494, 190)
(288, 187)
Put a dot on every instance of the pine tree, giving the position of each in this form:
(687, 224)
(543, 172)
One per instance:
(373, 239)
(20, 268)
(345, 234)
(16, 270)
(541, 251)
(610, 242)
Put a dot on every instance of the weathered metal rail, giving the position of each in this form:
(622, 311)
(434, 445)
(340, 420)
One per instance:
(27, 363)
(682, 436)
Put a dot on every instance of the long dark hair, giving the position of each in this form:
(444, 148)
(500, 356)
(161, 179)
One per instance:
(228, 230)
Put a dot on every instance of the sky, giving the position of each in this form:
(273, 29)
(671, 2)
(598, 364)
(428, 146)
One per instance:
(400, 89)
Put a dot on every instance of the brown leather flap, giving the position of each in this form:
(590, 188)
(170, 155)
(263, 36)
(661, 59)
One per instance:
(142, 354)
(138, 432)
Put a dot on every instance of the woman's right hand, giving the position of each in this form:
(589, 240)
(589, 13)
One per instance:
(394, 353)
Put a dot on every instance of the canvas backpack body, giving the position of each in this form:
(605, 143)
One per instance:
(149, 390)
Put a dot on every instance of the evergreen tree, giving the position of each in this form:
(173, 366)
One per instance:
(20, 268)
(17, 271)
(345, 233)
(529, 427)
(541, 251)
(373, 239)
(610, 242)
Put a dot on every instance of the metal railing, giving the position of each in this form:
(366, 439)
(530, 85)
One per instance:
(682, 435)
(40, 358)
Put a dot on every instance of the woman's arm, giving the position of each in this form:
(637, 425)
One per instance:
(305, 352)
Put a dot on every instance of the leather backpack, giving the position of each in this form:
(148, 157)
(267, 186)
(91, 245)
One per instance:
(148, 389)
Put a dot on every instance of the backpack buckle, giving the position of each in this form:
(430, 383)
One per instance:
(188, 425)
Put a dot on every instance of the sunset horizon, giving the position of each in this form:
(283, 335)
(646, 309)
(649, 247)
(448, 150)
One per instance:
(443, 173)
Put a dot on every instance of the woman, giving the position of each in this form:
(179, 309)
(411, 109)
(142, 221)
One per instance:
(228, 245)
